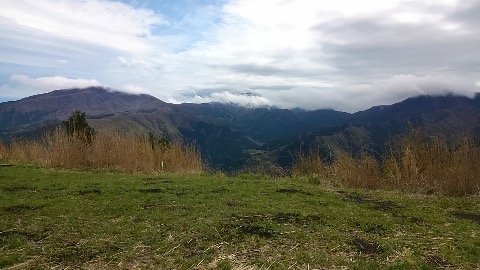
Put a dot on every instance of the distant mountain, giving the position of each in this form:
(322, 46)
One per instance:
(50, 108)
(373, 129)
(232, 137)
(95, 101)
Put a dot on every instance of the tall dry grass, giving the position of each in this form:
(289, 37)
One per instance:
(415, 163)
(434, 165)
(310, 164)
(3, 152)
(129, 153)
(362, 172)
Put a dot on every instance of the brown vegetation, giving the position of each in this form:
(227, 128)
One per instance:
(416, 163)
(112, 151)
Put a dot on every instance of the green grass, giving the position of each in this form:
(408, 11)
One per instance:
(92, 220)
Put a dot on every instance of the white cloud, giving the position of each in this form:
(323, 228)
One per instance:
(52, 83)
(102, 22)
(244, 99)
(346, 55)
(357, 97)
(410, 85)
(349, 98)
(22, 85)
(133, 89)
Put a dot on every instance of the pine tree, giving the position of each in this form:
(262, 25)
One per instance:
(77, 125)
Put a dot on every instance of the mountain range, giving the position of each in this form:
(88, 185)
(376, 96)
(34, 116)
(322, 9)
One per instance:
(232, 137)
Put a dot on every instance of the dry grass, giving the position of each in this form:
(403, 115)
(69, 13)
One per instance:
(434, 165)
(363, 172)
(416, 163)
(310, 164)
(129, 153)
(3, 152)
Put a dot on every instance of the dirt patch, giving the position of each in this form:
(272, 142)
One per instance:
(152, 205)
(415, 220)
(437, 261)
(296, 218)
(74, 253)
(30, 236)
(178, 191)
(288, 190)
(250, 218)
(467, 216)
(366, 247)
(20, 209)
(258, 230)
(281, 218)
(257, 225)
(17, 189)
(292, 191)
(377, 229)
(382, 205)
(152, 178)
(152, 190)
(263, 225)
(219, 190)
(232, 203)
(90, 192)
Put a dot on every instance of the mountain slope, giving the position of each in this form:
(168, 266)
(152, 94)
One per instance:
(50, 108)
(372, 130)
(225, 133)
(233, 137)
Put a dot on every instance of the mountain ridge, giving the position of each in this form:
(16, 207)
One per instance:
(232, 137)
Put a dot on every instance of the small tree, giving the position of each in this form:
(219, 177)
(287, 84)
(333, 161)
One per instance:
(156, 141)
(76, 125)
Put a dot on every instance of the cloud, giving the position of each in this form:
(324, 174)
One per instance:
(247, 99)
(378, 47)
(52, 83)
(21, 85)
(409, 85)
(345, 55)
(101, 22)
(133, 89)
(350, 98)
(308, 44)
(342, 55)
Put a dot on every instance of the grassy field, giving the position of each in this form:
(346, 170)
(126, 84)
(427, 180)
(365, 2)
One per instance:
(101, 220)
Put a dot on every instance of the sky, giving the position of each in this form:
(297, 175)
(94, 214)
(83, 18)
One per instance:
(345, 55)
